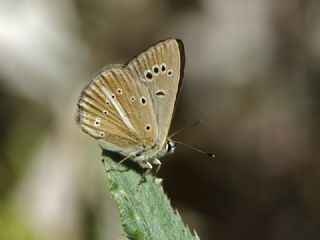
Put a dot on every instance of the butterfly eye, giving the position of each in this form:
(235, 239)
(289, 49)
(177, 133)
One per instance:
(163, 67)
(170, 147)
(148, 75)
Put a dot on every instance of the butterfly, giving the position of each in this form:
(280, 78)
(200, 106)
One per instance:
(129, 107)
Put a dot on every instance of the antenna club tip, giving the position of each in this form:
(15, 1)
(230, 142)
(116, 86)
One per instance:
(211, 155)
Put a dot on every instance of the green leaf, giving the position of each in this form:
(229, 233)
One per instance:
(145, 210)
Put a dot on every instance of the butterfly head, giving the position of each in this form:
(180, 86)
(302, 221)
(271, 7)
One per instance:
(170, 147)
(155, 151)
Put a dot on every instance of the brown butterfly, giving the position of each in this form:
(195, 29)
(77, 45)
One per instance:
(129, 108)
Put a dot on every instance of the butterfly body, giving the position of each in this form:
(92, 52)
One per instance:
(129, 108)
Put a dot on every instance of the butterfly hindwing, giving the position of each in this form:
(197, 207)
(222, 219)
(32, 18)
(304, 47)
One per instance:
(118, 110)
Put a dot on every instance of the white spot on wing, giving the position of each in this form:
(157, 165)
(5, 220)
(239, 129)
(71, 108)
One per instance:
(119, 91)
(160, 93)
(90, 131)
(163, 67)
(119, 109)
(147, 127)
(104, 74)
(97, 121)
(82, 104)
(86, 120)
(148, 75)
(143, 100)
(136, 67)
(156, 70)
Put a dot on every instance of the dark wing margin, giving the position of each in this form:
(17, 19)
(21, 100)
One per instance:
(182, 64)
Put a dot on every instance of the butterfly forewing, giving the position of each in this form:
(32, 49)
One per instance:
(160, 69)
(118, 109)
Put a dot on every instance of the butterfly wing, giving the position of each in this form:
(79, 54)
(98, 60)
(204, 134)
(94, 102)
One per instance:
(160, 68)
(117, 109)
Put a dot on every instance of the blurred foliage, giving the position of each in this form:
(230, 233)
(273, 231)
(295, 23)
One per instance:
(22, 133)
(252, 74)
(12, 226)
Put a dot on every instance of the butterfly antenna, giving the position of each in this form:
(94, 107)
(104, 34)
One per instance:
(186, 128)
(195, 149)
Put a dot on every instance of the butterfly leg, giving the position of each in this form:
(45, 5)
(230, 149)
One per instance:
(119, 163)
(124, 159)
(157, 162)
(127, 157)
(147, 167)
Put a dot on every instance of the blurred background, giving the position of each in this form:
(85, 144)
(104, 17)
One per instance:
(252, 73)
